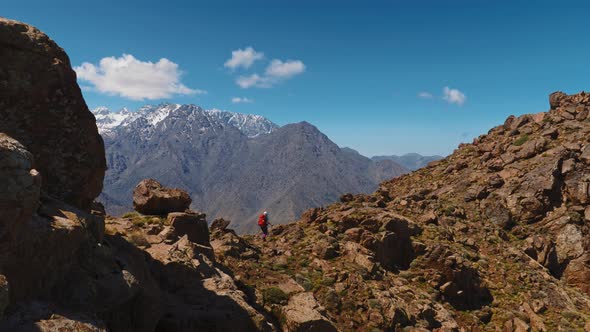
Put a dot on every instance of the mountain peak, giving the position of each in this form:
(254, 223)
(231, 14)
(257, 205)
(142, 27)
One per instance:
(150, 116)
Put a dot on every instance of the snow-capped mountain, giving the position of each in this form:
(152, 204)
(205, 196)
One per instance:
(151, 116)
(231, 164)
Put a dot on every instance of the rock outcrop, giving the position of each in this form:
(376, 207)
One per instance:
(42, 107)
(21, 185)
(60, 268)
(150, 197)
(303, 314)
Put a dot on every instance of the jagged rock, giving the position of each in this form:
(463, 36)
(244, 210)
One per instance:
(535, 320)
(230, 244)
(429, 217)
(359, 255)
(532, 148)
(395, 250)
(460, 284)
(326, 247)
(577, 186)
(495, 181)
(354, 234)
(42, 107)
(219, 224)
(193, 225)
(96, 208)
(569, 243)
(303, 314)
(577, 273)
(346, 198)
(150, 197)
(556, 98)
(543, 251)
(516, 325)
(310, 215)
(19, 194)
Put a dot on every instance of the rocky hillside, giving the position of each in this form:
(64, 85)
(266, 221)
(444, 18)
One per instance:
(222, 157)
(59, 269)
(494, 237)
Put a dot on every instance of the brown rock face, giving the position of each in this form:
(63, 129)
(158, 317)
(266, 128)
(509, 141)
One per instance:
(19, 193)
(150, 197)
(303, 314)
(193, 225)
(42, 107)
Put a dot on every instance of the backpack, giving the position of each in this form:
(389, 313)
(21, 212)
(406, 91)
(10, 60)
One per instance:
(262, 220)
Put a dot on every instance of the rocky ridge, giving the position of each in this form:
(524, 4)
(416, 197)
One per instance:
(494, 237)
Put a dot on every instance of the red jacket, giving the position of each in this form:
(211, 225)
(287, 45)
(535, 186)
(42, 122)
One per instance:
(262, 220)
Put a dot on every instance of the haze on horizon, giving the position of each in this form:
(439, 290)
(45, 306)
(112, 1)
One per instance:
(381, 77)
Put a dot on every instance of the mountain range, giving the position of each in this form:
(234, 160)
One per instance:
(411, 161)
(233, 165)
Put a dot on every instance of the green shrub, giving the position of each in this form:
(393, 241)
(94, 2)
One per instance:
(328, 281)
(131, 214)
(140, 220)
(521, 140)
(279, 267)
(374, 303)
(274, 295)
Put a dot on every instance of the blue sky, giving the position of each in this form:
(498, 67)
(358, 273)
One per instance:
(370, 74)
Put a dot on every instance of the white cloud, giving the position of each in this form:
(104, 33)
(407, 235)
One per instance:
(425, 95)
(243, 58)
(241, 100)
(287, 69)
(454, 96)
(131, 78)
(276, 72)
(256, 80)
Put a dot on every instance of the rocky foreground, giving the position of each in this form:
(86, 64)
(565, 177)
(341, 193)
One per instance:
(493, 238)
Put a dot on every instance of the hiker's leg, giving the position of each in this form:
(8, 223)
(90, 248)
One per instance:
(264, 232)
(263, 229)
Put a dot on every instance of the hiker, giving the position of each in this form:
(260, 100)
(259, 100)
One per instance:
(263, 223)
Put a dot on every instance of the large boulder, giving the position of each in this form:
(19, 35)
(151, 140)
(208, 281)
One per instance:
(19, 192)
(150, 197)
(42, 107)
(193, 225)
(303, 314)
